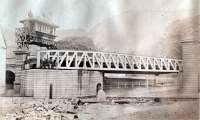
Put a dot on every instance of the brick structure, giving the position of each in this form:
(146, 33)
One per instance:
(65, 83)
(2, 62)
(19, 66)
(191, 67)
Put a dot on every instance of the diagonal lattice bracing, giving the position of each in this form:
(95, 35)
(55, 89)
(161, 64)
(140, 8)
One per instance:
(102, 61)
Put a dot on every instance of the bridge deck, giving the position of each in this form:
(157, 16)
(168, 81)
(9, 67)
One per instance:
(109, 62)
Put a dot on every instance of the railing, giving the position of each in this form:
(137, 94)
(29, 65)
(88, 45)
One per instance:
(101, 61)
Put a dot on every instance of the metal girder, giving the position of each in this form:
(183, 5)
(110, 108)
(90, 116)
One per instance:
(102, 61)
(24, 38)
(21, 38)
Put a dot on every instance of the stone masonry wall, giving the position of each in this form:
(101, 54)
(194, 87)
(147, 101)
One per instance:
(90, 79)
(191, 69)
(65, 83)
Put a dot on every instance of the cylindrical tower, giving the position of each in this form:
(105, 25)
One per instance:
(191, 67)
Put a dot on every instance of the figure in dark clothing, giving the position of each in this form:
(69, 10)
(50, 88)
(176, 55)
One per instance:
(54, 64)
(50, 63)
(41, 63)
(75, 117)
(45, 63)
(79, 102)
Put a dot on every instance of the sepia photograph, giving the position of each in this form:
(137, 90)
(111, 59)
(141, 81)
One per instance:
(99, 60)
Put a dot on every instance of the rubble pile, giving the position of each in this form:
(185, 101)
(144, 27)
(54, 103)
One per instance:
(44, 110)
(91, 109)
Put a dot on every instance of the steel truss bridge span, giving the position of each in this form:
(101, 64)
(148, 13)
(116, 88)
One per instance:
(103, 61)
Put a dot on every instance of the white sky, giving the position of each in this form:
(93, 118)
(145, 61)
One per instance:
(72, 14)
(137, 25)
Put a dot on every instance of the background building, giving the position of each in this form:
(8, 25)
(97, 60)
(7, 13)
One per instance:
(2, 62)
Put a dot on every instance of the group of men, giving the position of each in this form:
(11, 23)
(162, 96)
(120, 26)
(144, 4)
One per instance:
(48, 63)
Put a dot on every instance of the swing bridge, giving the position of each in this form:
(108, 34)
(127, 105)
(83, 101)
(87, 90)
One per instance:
(108, 62)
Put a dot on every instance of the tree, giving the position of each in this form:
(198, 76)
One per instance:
(76, 43)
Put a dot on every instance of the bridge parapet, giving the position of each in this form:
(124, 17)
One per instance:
(103, 61)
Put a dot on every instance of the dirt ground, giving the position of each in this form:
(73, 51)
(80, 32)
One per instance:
(63, 109)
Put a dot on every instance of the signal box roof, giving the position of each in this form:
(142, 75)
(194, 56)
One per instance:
(39, 20)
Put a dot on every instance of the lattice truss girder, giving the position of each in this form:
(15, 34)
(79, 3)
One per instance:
(24, 38)
(21, 38)
(66, 59)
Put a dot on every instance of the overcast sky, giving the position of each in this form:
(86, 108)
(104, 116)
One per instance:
(73, 14)
(137, 25)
